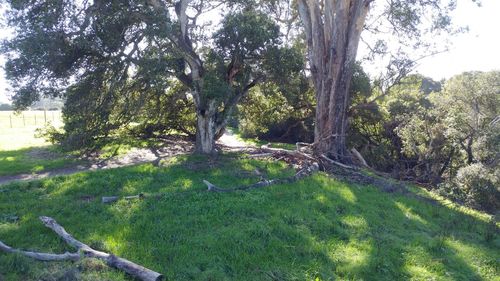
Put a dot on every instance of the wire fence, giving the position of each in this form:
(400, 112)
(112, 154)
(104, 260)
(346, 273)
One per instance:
(25, 119)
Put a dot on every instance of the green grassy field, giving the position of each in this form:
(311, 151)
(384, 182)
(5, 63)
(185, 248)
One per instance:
(315, 229)
(32, 160)
(18, 130)
(27, 119)
(21, 151)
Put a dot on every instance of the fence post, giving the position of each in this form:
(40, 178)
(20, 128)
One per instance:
(35, 118)
(24, 121)
(45, 115)
(10, 118)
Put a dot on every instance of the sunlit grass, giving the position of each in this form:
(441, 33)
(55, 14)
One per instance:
(17, 132)
(314, 229)
(33, 160)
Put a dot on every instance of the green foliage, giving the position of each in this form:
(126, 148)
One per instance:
(317, 228)
(118, 65)
(476, 186)
(164, 113)
(275, 113)
(420, 130)
(246, 35)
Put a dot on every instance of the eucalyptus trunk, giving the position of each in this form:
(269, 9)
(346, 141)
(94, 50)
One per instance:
(332, 34)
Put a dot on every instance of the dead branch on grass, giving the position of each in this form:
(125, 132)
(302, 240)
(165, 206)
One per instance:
(83, 250)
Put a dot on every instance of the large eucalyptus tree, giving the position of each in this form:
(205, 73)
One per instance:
(98, 54)
(333, 31)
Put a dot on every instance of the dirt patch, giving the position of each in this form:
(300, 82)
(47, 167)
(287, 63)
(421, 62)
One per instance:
(43, 153)
(135, 156)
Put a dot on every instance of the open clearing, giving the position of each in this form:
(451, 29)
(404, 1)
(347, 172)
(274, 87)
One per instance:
(315, 229)
(18, 130)
(23, 153)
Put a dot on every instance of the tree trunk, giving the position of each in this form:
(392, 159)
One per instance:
(331, 117)
(332, 34)
(206, 128)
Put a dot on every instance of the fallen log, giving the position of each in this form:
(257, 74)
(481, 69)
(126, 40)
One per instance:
(260, 155)
(299, 145)
(83, 250)
(111, 199)
(299, 175)
(289, 152)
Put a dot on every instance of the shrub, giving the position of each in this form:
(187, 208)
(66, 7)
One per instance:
(476, 186)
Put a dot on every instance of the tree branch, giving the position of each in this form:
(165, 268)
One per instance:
(83, 250)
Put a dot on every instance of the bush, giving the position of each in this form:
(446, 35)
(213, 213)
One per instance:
(272, 114)
(476, 186)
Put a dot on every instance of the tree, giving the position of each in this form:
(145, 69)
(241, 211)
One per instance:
(333, 31)
(471, 102)
(103, 55)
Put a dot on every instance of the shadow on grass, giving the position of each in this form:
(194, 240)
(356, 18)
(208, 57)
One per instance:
(32, 160)
(315, 228)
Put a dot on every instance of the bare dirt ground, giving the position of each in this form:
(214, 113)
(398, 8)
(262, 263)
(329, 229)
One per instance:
(135, 156)
(230, 140)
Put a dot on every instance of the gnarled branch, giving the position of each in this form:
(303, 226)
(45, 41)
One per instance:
(83, 250)
(306, 171)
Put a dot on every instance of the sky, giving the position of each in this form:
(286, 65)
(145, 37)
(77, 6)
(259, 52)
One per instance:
(477, 50)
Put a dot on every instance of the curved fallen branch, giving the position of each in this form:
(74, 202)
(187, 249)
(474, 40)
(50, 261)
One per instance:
(299, 175)
(360, 157)
(41, 256)
(337, 163)
(83, 250)
(111, 199)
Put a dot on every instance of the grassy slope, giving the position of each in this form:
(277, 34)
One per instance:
(316, 228)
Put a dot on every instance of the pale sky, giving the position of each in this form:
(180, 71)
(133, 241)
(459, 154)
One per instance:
(477, 50)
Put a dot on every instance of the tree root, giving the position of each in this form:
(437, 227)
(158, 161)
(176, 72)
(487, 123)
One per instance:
(83, 250)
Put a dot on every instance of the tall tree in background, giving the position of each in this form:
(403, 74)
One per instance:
(103, 55)
(333, 31)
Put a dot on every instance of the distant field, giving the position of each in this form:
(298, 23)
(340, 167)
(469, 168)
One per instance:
(18, 130)
(25, 119)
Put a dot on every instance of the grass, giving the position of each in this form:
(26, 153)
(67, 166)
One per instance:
(26, 119)
(19, 138)
(21, 152)
(17, 132)
(33, 160)
(315, 229)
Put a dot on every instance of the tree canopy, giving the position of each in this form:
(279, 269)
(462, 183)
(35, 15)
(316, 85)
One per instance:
(108, 58)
